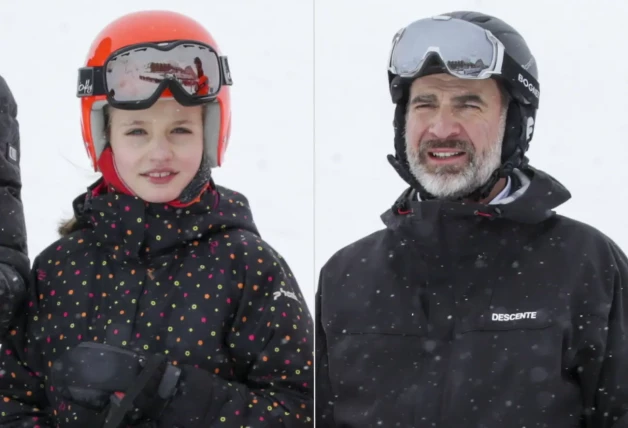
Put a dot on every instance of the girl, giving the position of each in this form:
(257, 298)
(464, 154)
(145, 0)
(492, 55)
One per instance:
(160, 305)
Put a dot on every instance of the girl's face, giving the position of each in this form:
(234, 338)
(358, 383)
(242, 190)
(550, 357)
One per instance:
(157, 151)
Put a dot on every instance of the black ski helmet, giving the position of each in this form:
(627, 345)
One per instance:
(521, 114)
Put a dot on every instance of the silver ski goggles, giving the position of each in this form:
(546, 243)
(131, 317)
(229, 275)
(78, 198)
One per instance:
(135, 77)
(462, 49)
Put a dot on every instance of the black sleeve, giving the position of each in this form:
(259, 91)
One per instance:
(23, 402)
(601, 348)
(324, 396)
(12, 294)
(271, 344)
(13, 248)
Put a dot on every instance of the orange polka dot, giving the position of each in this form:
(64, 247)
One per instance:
(60, 273)
(200, 343)
(232, 256)
(207, 296)
(240, 285)
(71, 292)
(128, 232)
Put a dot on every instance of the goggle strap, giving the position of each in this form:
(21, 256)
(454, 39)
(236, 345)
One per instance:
(91, 82)
(225, 71)
(521, 79)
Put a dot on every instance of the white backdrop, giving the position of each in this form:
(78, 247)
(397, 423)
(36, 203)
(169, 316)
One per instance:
(270, 156)
(581, 128)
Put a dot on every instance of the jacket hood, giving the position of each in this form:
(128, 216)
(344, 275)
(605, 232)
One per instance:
(134, 228)
(532, 202)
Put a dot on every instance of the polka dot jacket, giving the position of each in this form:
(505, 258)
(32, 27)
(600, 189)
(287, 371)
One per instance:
(197, 284)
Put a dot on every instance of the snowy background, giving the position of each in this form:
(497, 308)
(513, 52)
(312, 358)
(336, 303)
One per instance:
(581, 135)
(270, 155)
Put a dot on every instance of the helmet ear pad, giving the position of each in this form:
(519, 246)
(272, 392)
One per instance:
(519, 131)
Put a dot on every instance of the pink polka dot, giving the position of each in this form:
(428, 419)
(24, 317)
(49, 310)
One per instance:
(270, 278)
(78, 272)
(113, 225)
(80, 337)
(115, 331)
(162, 314)
(283, 314)
(65, 315)
(252, 337)
(52, 293)
(137, 335)
(211, 275)
(91, 295)
(185, 294)
(127, 208)
(287, 362)
(203, 320)
(229, 300)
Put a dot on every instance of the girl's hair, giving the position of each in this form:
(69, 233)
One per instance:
(71, 225)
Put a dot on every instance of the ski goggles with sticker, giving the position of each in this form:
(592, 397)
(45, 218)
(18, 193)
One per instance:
(463, 49)
(135, 77)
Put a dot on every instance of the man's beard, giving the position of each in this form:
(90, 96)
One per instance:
(455, 181)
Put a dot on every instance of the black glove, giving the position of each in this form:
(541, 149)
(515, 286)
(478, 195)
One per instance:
(125, 387)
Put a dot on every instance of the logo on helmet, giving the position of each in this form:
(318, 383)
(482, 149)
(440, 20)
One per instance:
(529, 85)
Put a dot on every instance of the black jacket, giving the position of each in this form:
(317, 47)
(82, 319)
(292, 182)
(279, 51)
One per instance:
(197, 284)
(14, 262)
(468, 315)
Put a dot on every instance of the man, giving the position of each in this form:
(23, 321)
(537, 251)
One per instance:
(477, 305)
(14, 262)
